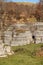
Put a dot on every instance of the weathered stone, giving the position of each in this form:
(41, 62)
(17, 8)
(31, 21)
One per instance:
(8, 50)
(2, 51)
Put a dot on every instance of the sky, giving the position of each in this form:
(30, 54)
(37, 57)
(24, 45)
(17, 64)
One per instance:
(35, 1)
(26, 0)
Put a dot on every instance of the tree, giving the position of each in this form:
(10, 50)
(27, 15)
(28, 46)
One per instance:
(39, 11)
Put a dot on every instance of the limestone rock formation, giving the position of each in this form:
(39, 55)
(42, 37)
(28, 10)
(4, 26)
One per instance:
(8, 50)
(2, 51)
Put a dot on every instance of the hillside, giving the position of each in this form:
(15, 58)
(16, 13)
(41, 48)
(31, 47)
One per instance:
(12, 12)
(26, 3)
(24, 55)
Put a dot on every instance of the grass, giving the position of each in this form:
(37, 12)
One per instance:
(23, 56)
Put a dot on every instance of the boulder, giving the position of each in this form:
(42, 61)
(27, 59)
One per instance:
(8, 50)
(2, 51)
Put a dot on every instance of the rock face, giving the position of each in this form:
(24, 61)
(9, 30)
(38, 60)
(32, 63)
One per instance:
(39, 36)
(22, 38)
(5, 50)
(8, 37)
(20, 34)
(8, 50)
(38, 33)
(2, 51)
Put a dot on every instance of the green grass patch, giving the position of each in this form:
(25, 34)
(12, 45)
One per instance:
(23, 56)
